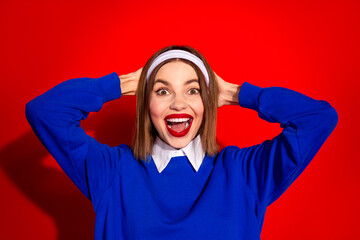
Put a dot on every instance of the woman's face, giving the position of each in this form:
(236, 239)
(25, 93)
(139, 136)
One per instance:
(176, 107)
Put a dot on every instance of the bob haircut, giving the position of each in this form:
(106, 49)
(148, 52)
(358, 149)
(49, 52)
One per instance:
(145, 132)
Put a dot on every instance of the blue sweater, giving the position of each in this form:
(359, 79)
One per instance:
(228, 196)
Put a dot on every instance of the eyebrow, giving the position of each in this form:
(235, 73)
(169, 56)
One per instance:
(167, 83)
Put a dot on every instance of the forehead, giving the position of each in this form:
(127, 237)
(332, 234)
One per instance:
(175, 72)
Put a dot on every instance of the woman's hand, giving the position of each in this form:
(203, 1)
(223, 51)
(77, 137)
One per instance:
(129, 82)
(228, 92)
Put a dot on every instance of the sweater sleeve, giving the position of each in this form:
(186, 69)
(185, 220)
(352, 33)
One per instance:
(269, 168)
(55, 118)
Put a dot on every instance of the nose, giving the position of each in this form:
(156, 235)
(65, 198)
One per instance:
(178, 103)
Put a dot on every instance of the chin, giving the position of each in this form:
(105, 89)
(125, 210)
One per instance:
(178, 142)
(178, 146)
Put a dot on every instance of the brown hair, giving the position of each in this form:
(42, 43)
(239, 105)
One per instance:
(145, 132)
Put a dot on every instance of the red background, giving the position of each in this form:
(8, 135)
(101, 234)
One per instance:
(308, 46)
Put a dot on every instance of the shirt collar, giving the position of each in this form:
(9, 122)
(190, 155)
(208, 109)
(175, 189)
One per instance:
(162, 153)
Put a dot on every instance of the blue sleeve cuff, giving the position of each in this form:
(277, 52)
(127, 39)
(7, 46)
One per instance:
(249, 96)
(110, 86)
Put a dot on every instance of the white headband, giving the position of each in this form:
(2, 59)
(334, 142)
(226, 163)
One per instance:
(178, 54)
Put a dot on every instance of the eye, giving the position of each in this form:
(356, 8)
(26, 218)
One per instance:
(162, 92)
(194, 91)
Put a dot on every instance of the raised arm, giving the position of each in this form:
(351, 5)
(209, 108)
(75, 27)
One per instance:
(55, 118)
(269, 168)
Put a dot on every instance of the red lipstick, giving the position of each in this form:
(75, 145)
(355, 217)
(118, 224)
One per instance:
(172, 117)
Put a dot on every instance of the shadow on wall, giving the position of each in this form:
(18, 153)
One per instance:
(24, 162)
(48, 187)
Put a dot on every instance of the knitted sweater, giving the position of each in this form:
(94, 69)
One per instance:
(227, 197)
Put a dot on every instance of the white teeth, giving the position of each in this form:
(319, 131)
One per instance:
(186, 125)
(177, 119)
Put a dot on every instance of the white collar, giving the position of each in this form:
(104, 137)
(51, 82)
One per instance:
(162, 153)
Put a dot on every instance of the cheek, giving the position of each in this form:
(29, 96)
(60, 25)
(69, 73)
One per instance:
(198, 108)
(157, 109)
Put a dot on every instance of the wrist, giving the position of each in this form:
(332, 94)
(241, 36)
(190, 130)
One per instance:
(128, 84)
(230, 94)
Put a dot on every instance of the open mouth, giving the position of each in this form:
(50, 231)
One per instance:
(178, 125)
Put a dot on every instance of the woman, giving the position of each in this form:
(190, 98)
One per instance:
(173, 183)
